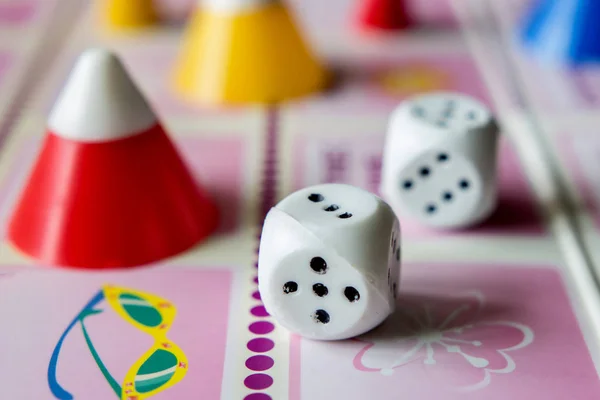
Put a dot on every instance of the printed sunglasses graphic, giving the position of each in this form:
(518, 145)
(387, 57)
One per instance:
(161, 367)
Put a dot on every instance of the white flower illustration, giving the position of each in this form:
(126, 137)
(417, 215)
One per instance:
(453, 335)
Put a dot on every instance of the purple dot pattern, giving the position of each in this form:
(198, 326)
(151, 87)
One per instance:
(261, 327)
(262, 362)
(258, 381)
(257, 396)
(260, 345)
(259, 311)
(259, 363)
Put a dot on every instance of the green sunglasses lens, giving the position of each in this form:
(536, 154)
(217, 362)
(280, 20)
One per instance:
(140, 310)
(156, 371)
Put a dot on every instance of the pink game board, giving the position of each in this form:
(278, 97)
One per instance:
(465, 328)
(549, 88)
(456, 336)
(576, 155)
(15, 18)
(73, 322)
(561, 104)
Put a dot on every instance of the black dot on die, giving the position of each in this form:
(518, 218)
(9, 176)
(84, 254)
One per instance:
(464, 184)
(424, 172)
(447, 196)
(430, 209)
(318, 265)
(320, 290)
(316, 197)
(290, 287)
(345, 215)
(394, 287)
(407, 184)
(398, 254)
(333, 207)
(351, 294)
(442, 157)
(321, 316)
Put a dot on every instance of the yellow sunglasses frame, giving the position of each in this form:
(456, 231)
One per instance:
(168, 311)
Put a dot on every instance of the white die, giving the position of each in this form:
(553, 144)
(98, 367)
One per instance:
(439, 163)
(329, 261)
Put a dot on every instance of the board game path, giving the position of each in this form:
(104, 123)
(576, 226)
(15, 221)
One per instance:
(259, 364)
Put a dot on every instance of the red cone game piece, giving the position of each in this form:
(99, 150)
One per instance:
(109, 189)
(386, 15)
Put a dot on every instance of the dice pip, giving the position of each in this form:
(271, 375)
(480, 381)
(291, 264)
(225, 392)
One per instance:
(329, 261)
(439, 163)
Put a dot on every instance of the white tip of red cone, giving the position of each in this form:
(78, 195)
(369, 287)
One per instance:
(100, 102)
(233, 6)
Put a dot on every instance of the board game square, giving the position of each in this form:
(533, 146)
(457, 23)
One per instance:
(108, 337)
(222, 176)
(460, 331)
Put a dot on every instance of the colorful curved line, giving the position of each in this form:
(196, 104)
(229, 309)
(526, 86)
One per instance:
(57, 390)
(111, 381)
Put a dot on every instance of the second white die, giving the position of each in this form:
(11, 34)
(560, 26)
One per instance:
(439, 163)
(329, 261)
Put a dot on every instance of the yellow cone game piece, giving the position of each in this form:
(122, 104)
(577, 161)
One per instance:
(130, 14)
(245, 51)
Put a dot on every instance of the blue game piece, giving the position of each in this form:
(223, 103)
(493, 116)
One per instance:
(564, 31)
